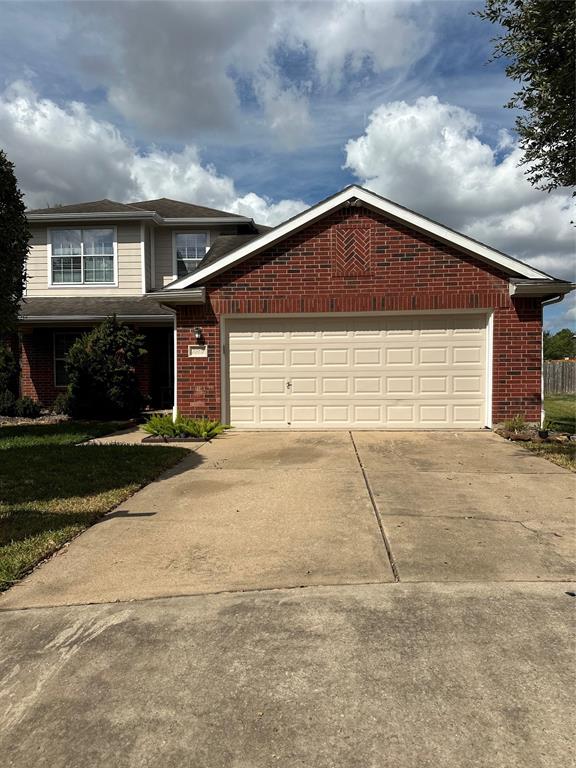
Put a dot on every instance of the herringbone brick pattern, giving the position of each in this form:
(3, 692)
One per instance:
(351, 251)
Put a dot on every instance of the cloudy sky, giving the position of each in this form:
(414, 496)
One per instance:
(267, 107)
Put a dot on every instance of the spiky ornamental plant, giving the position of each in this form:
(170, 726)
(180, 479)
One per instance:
(14, 237)
(101, 367)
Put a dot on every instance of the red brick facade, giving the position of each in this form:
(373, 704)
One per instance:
(358, 261)
(37, 365)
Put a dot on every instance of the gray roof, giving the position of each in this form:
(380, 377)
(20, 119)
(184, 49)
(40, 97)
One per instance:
(225, 244)
(175, 209)
(96, 206)
(167, 209)
(92, 308)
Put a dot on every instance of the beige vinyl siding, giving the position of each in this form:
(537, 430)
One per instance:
(129, 264)
(148, 252)
(163, 257)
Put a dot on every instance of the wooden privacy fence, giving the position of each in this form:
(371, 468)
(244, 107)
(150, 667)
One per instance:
(559, 377)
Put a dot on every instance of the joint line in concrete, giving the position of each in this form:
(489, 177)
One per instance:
(377, 514)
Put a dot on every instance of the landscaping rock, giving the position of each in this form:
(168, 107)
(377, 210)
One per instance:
(523, 437)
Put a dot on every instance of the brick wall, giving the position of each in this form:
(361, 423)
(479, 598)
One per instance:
(358, 261)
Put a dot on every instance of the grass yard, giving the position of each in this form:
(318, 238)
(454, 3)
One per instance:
(561, 411)
(51, 488)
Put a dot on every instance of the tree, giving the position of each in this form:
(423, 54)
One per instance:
(538, 42)
(101, 367)
(14, 237)
(559, 345)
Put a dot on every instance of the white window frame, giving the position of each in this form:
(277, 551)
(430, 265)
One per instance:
(82, 284)
(185, 232)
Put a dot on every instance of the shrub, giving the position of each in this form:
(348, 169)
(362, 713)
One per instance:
(164, 426)
(101, 367)
(7, 403)
(515, 424)
(27, 408)
(9, 370)
(60, 404)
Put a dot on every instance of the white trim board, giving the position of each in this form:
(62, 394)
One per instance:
(355, 195)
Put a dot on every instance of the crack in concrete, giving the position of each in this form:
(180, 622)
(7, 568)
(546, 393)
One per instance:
(481, 519)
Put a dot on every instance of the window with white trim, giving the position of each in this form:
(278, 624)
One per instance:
(82, 256)
(62, 343)
(190, 248)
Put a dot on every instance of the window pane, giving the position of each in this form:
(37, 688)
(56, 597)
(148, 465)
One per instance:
(99, 241)
(190, 249)
(67, 269)
(66, 242)
(60, 377)
(99, 269)
(191, 245)
(62, 344)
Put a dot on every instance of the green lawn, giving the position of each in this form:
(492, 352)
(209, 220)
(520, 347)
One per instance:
(51, 488)
(561, 409)
(560, 413)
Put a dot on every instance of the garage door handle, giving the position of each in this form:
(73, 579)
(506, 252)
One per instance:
(288, 384)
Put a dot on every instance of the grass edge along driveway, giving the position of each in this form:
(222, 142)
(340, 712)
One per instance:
(52, 489)
(560, 410)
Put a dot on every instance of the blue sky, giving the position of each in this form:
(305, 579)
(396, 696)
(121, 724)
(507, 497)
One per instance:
(264, 108)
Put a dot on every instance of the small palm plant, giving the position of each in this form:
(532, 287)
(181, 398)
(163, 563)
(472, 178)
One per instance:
(181, 426)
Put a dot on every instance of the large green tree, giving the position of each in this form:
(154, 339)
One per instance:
(14, 237)
(538, 42)
(559, 345)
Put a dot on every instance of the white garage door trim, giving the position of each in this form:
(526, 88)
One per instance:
(227, 322)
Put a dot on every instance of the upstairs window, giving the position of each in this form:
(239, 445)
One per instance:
(82, 256)
(190, 249)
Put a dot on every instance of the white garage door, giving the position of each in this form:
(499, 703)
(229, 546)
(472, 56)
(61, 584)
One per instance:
(400, 371)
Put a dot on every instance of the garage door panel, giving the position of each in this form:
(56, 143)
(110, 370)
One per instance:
(400, 356)
(269, 386)
(467, 355)
(304, 386)
(401, 372)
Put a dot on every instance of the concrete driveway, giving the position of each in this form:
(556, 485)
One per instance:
(266, 510)
(435, 630)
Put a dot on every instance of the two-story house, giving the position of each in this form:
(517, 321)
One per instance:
(91, 260)
(355, 313)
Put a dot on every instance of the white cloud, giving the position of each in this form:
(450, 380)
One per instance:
(63, 155)
(428, 156)
(171, 68)
(347, 35)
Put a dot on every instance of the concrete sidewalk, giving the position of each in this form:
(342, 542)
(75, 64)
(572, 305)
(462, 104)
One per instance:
(403, 675)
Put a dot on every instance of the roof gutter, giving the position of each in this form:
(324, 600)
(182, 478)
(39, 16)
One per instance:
(137, 216)
(190, 296)
(48, 319)
(207, 220)
(540, 288)
(94, 216)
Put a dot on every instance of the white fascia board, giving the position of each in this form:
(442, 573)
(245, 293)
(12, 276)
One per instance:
(371, 200)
